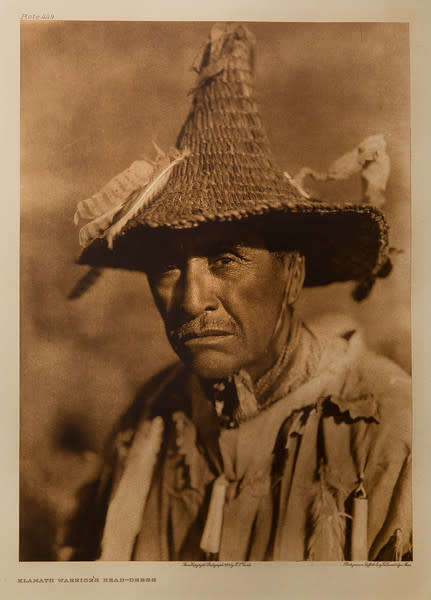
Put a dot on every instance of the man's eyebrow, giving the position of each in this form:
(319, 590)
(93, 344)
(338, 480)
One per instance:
(225, 245)
(229, 244)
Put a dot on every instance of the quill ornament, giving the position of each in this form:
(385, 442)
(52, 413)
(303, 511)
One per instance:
(369, 159)
(115, 192)
(328, 524)
(87, 281)
(135, 205)
(130, 200)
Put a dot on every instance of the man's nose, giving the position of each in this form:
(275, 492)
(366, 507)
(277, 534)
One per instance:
(196, 293)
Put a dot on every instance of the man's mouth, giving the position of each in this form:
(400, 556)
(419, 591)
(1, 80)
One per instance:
(204, 334)
(200, 332)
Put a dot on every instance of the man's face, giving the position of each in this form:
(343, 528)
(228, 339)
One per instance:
(220, 296)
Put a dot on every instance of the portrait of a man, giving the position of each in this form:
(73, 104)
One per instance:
(268, 435)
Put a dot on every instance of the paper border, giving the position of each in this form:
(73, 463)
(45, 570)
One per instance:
(263, 580)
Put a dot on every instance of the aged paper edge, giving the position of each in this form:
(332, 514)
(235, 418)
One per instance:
(263, 580)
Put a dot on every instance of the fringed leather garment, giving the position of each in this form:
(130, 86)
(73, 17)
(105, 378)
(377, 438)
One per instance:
(313, 463)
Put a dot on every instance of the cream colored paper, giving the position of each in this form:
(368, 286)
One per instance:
(273, 580)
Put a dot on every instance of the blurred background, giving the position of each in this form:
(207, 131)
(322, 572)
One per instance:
(94, 95)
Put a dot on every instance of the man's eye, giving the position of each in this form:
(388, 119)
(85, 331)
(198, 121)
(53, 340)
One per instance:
(169, 267)
(223, 260)
(165, 263)
(163, 269)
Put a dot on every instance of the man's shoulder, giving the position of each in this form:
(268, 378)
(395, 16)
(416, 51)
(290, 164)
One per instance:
(156, 396)
(368, 384)
(391, 388)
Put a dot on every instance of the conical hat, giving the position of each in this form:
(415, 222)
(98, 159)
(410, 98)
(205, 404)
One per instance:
(224, 170)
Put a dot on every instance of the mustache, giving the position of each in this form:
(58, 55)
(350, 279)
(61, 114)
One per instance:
(199, 327)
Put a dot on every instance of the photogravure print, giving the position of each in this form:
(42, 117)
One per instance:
(222, 377)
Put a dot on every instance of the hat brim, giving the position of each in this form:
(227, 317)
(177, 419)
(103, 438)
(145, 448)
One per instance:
(340, 243)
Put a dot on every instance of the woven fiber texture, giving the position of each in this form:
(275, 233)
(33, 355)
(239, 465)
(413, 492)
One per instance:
(229, 174)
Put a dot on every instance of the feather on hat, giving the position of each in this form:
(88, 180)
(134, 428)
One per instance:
(223, 170)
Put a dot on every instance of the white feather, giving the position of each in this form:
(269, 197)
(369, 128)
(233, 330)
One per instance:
(150, 192)
(116, 191)
(131, 190)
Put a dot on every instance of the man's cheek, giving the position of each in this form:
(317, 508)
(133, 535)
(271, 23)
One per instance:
(164, 305)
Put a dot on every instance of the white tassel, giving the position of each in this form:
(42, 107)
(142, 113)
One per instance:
(210, 541)
(359, 549)
(123, 520)
(398, 545)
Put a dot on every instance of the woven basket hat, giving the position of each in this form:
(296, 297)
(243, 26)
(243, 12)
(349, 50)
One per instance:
(223, 170)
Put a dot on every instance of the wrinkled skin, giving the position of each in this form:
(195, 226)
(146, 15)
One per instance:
(223, 299)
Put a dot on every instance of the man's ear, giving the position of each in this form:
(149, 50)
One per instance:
(296, 277)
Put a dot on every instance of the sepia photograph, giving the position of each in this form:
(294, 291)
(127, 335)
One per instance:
(215, 291)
